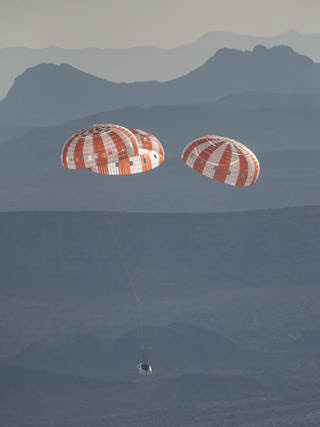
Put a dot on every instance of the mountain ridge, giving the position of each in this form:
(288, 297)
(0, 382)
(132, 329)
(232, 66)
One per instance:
(280, 129)
(62, 93)
(149, 62)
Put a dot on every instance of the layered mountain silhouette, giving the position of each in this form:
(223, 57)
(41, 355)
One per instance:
(282, 129)
(262, 121)
(178, 347)
(49, 94)
(145, 62)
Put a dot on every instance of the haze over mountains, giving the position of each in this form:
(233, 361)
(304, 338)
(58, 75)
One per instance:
(49, 94)
(204, 269)
(282, 129)
(228, 287)
(66, 307)
(146, 62)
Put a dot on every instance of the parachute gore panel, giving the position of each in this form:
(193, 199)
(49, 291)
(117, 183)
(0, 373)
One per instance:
(222, 159)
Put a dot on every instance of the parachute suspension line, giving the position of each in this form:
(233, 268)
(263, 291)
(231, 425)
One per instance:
(133, 291)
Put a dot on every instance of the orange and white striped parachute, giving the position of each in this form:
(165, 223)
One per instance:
(222, 159)
(148, 142)
(112, 150)
(150, 155)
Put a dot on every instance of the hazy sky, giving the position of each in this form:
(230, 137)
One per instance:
(163, 23)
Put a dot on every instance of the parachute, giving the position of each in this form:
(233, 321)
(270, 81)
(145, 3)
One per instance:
(150, 155)
(110, 149)
(222, 159)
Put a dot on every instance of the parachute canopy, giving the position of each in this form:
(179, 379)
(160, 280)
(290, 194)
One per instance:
(112, 150)
(150, 155)
(222, 159)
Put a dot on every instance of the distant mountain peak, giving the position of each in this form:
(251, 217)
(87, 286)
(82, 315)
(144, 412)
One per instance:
(293, 31)
(226, 51)
(281, 52)
(259, 49)
(48, 66)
